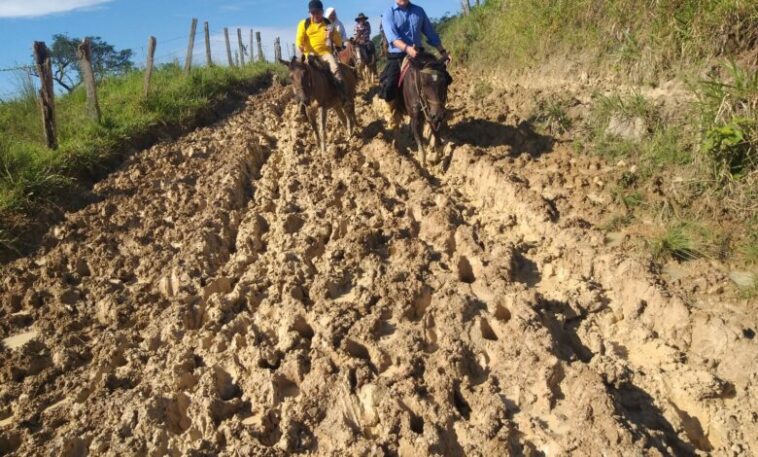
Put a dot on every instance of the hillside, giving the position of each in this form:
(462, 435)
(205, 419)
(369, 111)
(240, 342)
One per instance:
(666, 96)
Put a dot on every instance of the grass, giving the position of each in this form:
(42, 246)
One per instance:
(551, 113)
(481, 89)
(682, 241)
(656, 38)
(729, 113)
(31, 176)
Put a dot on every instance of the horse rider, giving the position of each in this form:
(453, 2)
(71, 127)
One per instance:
(362, 35)
(331, 14)
(404, 24)
(317, 37)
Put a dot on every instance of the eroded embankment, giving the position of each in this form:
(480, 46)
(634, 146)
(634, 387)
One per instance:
(238, 293)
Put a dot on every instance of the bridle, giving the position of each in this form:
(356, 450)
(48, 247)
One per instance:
(426, 104)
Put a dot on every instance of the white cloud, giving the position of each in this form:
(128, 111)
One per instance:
(35, 8)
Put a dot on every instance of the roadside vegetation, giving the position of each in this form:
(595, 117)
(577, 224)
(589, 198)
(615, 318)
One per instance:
(690, 164)
(35, 180)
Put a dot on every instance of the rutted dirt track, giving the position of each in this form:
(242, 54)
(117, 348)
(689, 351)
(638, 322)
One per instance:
(239, 293)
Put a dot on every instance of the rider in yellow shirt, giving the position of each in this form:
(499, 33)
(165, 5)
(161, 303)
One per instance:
(316, 36)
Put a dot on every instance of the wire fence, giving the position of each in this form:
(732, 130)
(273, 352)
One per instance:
(14, 78)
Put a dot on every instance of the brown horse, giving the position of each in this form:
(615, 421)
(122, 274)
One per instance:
(347, 55)
(315, 88)
(358, 56)
(424, 89)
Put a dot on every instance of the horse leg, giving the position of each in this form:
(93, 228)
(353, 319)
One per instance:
(343, 118)
(417, 127)
(352, 117)
(322, 124)
(314, 125)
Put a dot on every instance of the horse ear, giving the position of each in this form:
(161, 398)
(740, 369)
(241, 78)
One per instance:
(286, 63)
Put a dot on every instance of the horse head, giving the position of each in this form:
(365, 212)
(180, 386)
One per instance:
(302, 84)
(433, 87)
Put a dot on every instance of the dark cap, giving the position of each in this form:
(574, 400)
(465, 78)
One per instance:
(360, 17)
(315, 6)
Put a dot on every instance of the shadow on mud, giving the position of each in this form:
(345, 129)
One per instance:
(487, 134)
(637, 407)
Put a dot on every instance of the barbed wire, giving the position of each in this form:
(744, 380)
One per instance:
(24, 67)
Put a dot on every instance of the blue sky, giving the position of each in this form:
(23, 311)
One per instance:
(128, 23)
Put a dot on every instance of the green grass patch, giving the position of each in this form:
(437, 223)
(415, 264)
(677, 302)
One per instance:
(551, 114)
(681, 241)
(729, 111)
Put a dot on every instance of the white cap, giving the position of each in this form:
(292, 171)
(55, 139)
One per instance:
(329, 11)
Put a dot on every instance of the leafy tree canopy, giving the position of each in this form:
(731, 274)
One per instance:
(106, 60)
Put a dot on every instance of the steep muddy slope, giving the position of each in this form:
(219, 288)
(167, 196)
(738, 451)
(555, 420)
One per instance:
(239, 293)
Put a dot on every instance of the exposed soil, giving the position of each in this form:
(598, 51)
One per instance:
(236, 293)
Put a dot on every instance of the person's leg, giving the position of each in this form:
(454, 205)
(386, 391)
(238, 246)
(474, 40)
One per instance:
(390, 78)
(333, 65)
(335, 69)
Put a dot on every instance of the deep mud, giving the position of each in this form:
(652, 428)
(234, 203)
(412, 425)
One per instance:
(236, 292)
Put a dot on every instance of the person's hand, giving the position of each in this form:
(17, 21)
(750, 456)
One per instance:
(411, 51)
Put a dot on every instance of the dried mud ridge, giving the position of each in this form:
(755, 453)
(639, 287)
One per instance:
(237, 293)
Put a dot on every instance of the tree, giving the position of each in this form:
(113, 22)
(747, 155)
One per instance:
(106, 60)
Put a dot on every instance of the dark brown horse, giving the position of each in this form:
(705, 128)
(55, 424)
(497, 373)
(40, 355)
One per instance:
(315, 89)
(424, 99)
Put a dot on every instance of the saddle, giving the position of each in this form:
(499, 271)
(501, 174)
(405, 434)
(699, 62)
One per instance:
(318, 65)
(424, 66)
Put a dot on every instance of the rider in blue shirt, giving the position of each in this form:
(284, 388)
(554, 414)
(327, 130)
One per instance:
(404, 25)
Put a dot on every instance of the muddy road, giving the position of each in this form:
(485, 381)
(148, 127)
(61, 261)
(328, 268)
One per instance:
(238, 293)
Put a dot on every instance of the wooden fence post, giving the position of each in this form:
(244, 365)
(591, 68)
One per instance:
(151, 44)
(277, 49)
(250, 49)
(190, 47)
(208, 57)
(261, 58)
(466, 7)
(228, 47)
(241, 46)
(84, 53)
(46, 92)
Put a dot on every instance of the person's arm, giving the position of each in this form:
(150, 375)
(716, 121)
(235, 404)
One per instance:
(393, 36)
(368, 30)
(432, 37)
(391, 32)
(337, 38)
(300, 40)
